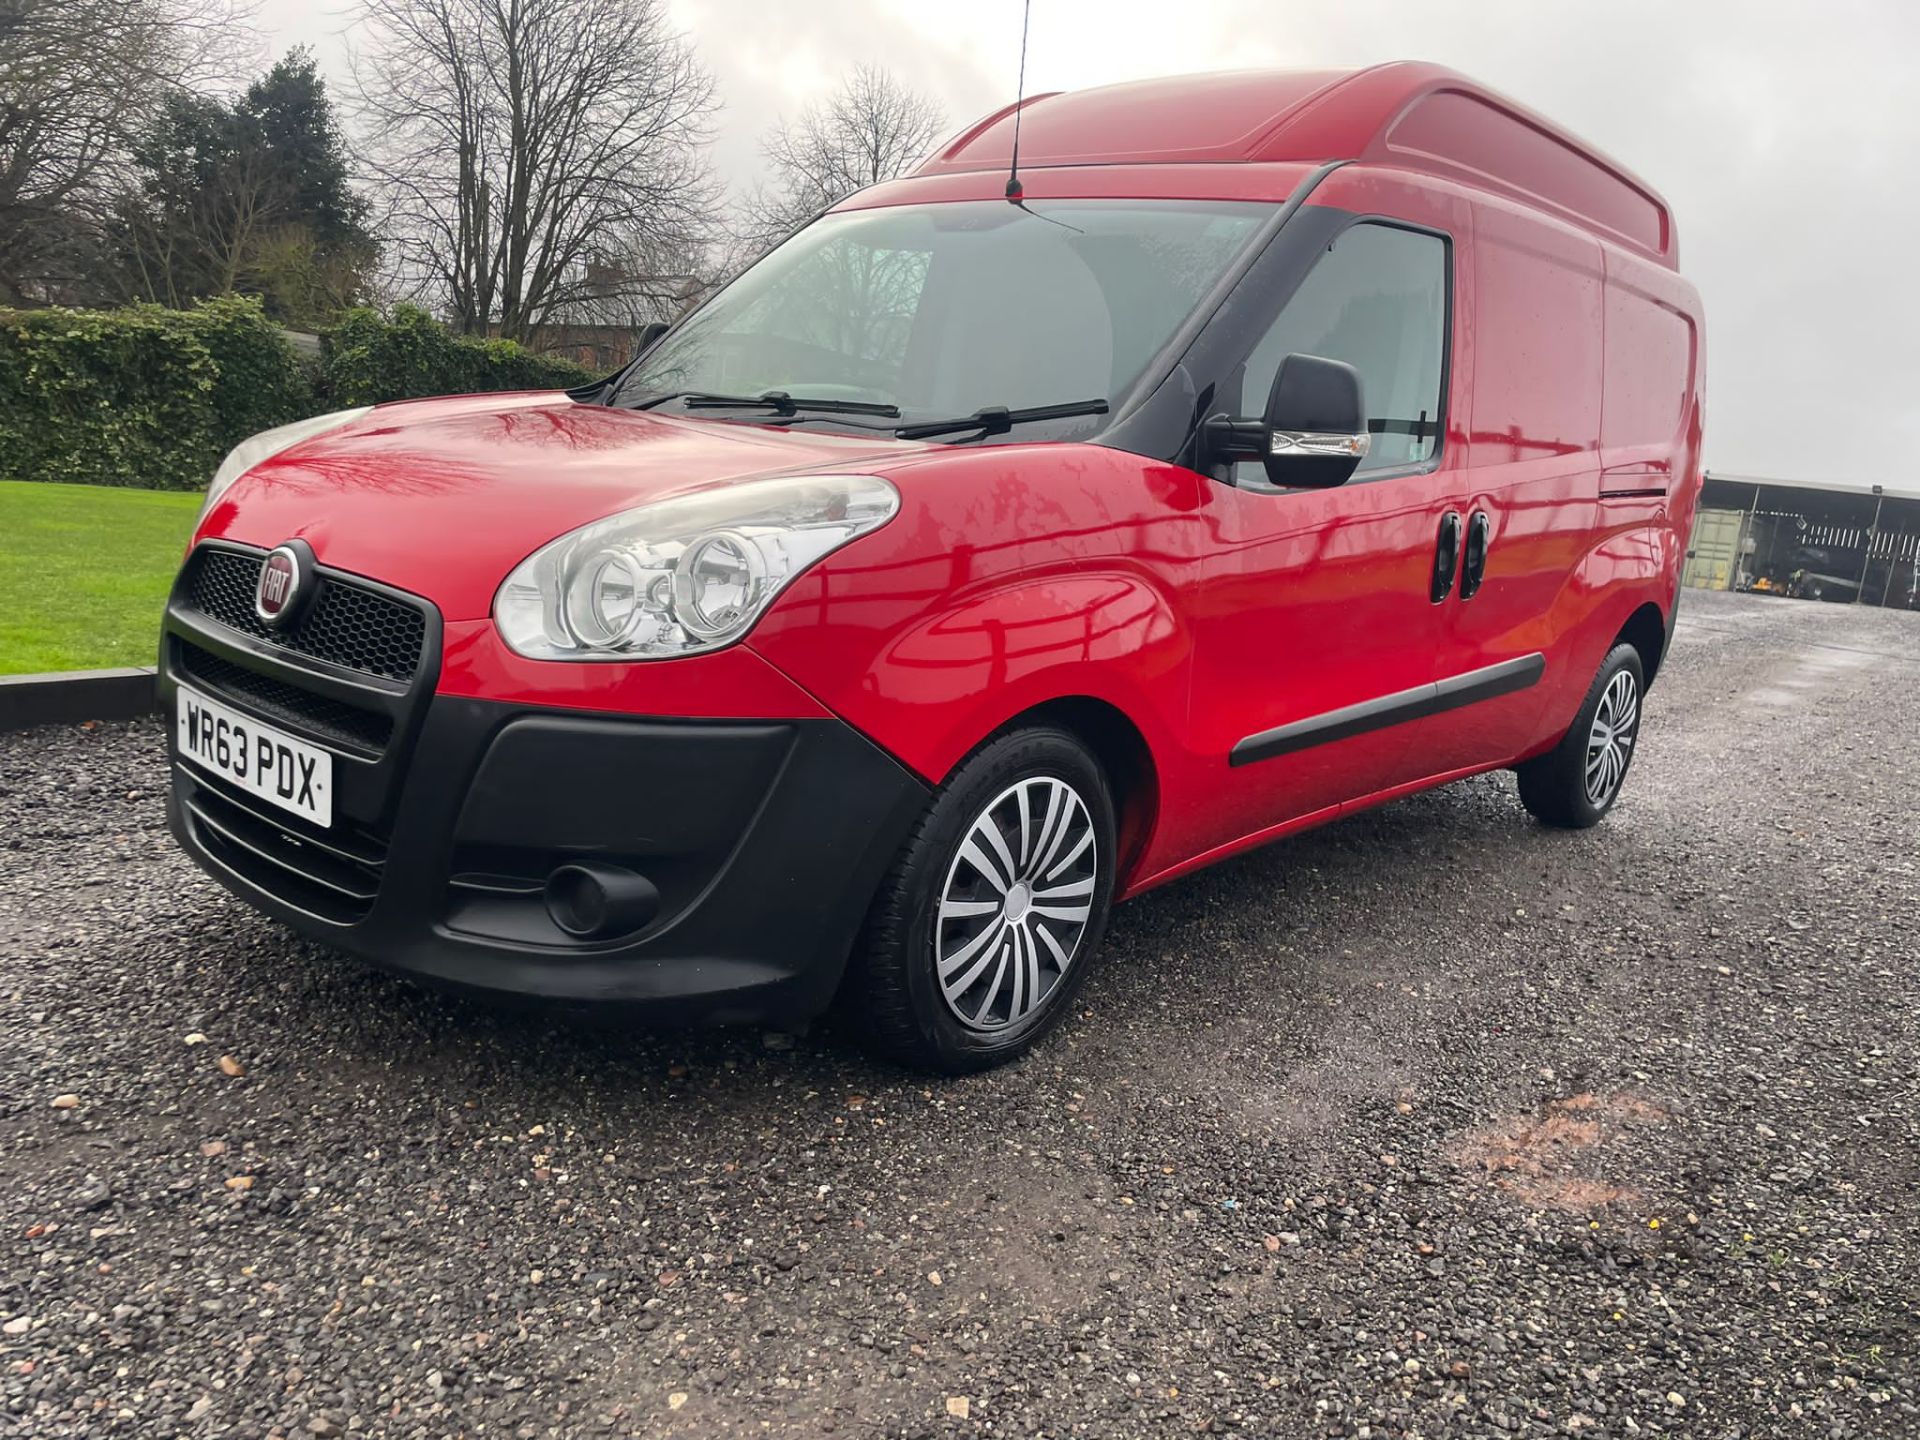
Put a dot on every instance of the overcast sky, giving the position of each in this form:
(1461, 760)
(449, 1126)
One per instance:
(1785, 135)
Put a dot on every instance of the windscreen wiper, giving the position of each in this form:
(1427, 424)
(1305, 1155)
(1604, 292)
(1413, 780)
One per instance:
(778, 401)
(998, 419)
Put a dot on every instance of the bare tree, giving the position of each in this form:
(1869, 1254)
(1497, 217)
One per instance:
(80, 80)
(872, 129)
(247, 197)
(534, 156)
(204, 240)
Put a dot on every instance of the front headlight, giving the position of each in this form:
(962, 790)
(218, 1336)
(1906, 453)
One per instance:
(267, 444)
(684, 575)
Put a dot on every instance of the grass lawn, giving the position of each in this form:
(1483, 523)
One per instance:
(84, 571)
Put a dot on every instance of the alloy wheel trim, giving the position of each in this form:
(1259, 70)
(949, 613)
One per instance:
(1610, 738)
(1014, 909)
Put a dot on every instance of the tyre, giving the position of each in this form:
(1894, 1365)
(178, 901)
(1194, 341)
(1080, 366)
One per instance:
(1576, 782)
(981, 932)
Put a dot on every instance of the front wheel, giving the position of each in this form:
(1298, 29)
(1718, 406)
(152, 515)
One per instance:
(981, 933)
(1576, 782)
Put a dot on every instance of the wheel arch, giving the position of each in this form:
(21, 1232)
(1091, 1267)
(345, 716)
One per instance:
(1123, 754)
(1614, 594)
(1646, 631)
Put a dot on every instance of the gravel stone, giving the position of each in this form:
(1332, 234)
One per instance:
(1649, 1093)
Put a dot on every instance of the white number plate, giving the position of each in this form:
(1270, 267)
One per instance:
(258, 758)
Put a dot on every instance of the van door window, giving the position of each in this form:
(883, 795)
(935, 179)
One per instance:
(1377, 300)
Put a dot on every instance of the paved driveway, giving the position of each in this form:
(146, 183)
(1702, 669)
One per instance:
(1430, 1123)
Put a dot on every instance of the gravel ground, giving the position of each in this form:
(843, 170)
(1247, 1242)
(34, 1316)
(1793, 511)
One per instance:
(1432, 1123)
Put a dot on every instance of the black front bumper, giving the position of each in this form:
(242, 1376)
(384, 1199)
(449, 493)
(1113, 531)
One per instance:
(764, 840)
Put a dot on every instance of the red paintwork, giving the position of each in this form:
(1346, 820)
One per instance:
(1100, 182)
(1020, 574)
(451, 494)
(1406, 115)
(734, 684)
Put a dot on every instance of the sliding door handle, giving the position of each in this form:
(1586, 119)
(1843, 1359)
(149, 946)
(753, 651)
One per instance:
(1473, 568)
(1446, 557)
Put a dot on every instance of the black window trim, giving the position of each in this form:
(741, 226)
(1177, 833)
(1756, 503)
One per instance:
(1225, 288)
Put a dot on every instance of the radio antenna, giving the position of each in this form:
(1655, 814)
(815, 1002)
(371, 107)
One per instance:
(1014, 191)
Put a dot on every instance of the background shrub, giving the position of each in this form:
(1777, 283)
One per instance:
(258, 380)
(141, 397)
(367, 359)
(154, 398)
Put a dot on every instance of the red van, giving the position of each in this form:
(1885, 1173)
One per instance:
(1272, 446)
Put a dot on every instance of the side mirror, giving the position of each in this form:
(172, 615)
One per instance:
(649, 332)
(1314, 433)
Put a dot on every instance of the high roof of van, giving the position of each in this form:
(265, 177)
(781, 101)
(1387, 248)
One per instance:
(1407, 114)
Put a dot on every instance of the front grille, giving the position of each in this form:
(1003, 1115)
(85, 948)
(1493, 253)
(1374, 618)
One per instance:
(333, 874)
(346, 624)
(335, 720)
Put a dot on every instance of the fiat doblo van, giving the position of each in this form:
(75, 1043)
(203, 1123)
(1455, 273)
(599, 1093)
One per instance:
(997, 548)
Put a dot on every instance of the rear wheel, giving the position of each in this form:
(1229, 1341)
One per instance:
(1574, 784)
(981, 932)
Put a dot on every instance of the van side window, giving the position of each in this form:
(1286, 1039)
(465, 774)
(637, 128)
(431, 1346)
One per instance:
(1377, 300)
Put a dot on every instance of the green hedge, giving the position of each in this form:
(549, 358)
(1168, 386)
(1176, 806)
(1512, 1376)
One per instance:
(368, 359)
(154, 398)
(142, 397)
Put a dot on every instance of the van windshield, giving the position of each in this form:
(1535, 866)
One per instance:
(942, 310)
